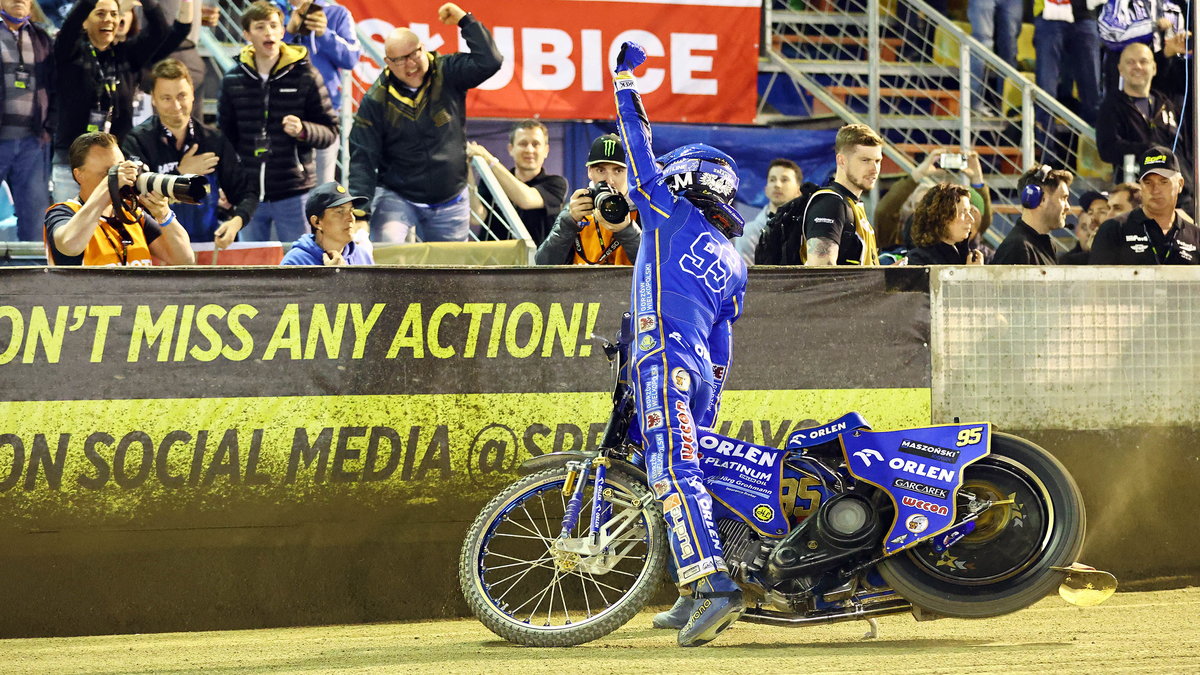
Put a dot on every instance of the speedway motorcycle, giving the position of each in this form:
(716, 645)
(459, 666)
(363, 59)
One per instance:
(842, 523)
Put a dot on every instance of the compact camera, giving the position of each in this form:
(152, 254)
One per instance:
(952, 161)
(612, 205)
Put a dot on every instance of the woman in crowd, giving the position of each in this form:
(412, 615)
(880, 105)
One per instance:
(941, 227)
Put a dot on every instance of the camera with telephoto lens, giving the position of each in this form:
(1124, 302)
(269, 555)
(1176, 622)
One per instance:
(611, 204)
(188, 188)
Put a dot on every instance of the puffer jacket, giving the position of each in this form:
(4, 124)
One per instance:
(416, 146)
(286, 168)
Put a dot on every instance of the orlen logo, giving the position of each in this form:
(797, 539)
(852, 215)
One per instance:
(925, 506)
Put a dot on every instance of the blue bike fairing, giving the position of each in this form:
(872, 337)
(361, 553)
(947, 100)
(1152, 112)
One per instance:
(688, 287)
(921, 470)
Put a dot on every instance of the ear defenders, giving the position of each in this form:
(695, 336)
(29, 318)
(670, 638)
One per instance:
(1032, 194)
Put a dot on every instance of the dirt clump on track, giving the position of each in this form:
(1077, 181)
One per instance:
(1133, 632)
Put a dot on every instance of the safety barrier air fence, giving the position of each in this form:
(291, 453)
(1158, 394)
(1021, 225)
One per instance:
(186, 449)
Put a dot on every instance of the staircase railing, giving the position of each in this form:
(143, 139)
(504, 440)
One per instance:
(907, 71)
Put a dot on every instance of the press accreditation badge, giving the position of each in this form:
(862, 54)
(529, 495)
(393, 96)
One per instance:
(22, 78)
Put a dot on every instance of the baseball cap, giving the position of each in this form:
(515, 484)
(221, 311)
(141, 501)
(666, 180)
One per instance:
(327, 196)
(1159, 160)
(607, 148)
(1086, 200)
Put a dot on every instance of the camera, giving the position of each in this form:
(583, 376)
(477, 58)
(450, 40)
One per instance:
(953, 161)
(186, 188)
(611, 204)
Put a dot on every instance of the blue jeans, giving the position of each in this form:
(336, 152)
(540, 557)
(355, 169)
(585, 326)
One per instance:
(25, 166)
(995, 23)
(393, 216)
(1066, 53)
(281, 220)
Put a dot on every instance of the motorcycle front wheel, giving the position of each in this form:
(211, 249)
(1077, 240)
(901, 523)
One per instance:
(532, 587)
(1006, 564)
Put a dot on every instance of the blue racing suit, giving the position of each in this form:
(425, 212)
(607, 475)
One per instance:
(688, 286)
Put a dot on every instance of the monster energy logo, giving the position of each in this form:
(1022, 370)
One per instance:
(610, 146)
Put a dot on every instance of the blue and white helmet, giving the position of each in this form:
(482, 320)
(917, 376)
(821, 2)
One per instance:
(707, 178)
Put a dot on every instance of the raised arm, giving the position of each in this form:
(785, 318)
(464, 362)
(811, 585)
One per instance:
(632, 120)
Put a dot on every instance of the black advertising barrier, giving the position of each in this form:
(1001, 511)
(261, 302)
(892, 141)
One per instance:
(187, 449)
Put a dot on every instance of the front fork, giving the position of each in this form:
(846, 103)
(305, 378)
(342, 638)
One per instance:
(577, 478)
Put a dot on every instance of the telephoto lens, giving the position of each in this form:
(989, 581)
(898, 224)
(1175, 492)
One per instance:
(186, 188)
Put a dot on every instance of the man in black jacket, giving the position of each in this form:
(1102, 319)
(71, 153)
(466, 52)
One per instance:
(26, 118)
(408, 138)
(171, 141)
(1045, 202)
(1156, 233)
(275, 110)
(99, 75)
(1136, 117)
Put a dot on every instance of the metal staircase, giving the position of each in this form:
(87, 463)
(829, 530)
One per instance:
(904, 69)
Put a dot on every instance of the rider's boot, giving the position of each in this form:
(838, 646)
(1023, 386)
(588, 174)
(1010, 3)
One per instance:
(717, 604)
(675, 617)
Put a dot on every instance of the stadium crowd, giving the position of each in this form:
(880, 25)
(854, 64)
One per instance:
(80, 175)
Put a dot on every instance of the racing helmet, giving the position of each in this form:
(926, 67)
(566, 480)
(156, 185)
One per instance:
(707, 178)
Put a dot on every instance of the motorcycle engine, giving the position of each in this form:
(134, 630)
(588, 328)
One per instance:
(745, 552)
(842, 527)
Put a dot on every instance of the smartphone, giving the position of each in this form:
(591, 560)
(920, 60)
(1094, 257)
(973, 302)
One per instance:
(952, 161)
(310, 9)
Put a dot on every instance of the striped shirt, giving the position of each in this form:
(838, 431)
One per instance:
(16, 52)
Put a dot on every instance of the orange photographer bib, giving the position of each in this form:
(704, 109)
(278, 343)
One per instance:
(107, 247)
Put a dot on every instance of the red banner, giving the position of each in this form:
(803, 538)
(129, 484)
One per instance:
(558, 54)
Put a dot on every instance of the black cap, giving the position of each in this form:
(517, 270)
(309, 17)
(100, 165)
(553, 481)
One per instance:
(607, 148)
(1159, 160)
(1086, 200)
(327, 196)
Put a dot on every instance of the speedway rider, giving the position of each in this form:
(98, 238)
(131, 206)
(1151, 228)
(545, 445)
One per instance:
(688, 286)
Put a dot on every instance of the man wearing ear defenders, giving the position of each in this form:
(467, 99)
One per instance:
(1045, 201)
(1157, 232)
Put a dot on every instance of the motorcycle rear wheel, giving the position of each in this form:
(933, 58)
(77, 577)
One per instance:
(1005, 564)
(528, 591)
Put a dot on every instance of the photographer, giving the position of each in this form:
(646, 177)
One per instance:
(84, 230)
(893, 215)
(599, 225)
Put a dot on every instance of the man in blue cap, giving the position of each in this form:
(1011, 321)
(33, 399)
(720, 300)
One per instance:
(330, 214)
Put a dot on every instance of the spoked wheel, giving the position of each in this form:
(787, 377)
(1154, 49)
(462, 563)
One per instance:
(530, 587)
(1005, 564)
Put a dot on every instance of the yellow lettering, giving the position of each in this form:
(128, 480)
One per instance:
(150, 330)
(535, 330)
(435, 324)
(362, 327)
(330, 335)
(286, 335)
(497, 326)
(18, 332)
(476, 310)
(40, 332)
(102, 313)
(239, 331)
(185, 332)
(556, 325)
(409, 334)
(214, 338)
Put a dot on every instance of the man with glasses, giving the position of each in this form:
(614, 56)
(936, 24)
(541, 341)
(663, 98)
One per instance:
(408, 144)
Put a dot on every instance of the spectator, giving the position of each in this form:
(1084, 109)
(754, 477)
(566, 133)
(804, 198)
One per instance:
(1136, 117)
(408, 138)
(836, 230)
(784, 178)
(172, 141)
(330, 214)
(100, 74)
(275, 110)
(536, 195)
(941, 222)
(27, 104)
(1066, 38)
(581, 234)
(996, 24)
(1093, 210)
(1123, 199)
(893, 215)
(85, 231)
(1158, 24)
(326, 29)
(1158, 232)
(1045, 201)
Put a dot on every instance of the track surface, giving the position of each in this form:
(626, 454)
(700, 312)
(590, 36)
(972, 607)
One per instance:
(1132, 632)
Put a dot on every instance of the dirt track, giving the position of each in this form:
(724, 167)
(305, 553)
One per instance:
(1132, 632)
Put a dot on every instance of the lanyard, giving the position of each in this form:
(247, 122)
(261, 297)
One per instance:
(1171, 244)
(612, 246)
(126, 241)
(188, 139)
(107, 82)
